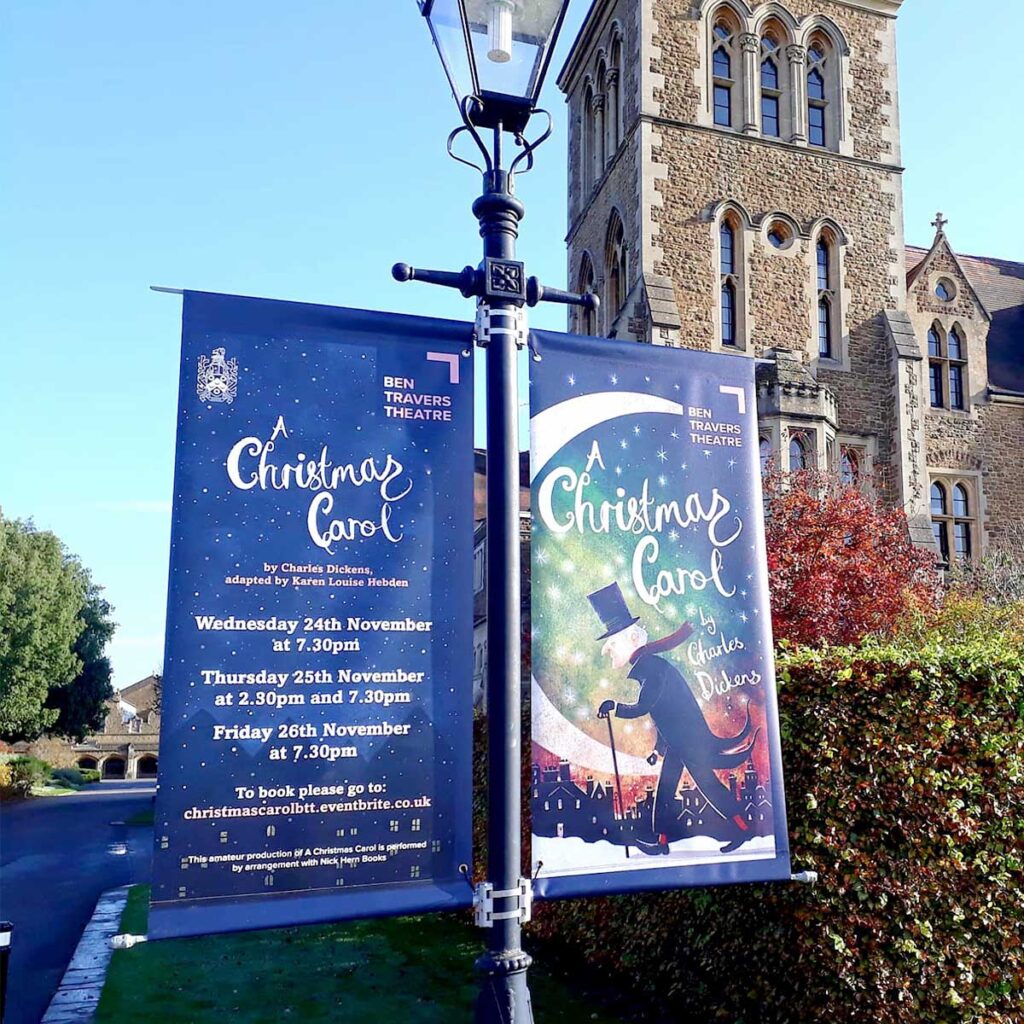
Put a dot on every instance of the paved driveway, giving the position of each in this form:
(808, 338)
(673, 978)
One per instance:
(57, 855)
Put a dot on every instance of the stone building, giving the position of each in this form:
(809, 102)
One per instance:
(735, 184)
(128, 747)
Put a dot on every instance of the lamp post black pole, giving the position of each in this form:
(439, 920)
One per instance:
(504, 996)
(500, 286)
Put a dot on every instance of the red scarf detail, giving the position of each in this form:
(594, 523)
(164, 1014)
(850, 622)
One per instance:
(666, 643)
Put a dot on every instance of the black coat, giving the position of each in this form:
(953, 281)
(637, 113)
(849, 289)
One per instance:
(668, 699)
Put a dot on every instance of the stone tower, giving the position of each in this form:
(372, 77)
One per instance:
(735, 185)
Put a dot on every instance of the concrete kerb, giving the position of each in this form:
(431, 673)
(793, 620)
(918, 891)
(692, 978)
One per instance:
(76, 999)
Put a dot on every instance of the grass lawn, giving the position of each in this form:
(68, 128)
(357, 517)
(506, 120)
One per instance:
(55, 789)
(410, 970)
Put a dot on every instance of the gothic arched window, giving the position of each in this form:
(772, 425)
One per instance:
(947, 366)
(766, 455)
(825, 272)
(729, 259)
(957, 364)
(587, 318)
(849, 467)
(819, 57)
(615, 267)
(771, 87)
(587, 141)
(600, 138)
(725, 68)
(953, 521)
(613, 115)
(797, 454)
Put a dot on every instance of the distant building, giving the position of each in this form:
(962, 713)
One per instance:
(736, 185)
(128, 747)
(588, 810)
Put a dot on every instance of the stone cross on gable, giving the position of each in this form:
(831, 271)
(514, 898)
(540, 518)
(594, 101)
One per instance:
(940, 222)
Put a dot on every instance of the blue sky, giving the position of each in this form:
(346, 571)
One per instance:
(296, 151)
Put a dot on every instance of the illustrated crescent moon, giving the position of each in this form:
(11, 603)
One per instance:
(550, 431)
(553, 731)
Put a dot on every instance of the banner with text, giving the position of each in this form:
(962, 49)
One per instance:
(656, 757)
(317, 705)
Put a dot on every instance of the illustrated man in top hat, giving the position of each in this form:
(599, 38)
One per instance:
(685, 741)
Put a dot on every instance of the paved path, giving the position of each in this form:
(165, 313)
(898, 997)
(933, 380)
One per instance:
(57, 855)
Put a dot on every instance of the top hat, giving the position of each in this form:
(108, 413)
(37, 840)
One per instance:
(611, 609)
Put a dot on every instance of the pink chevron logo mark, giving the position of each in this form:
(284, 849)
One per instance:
(451, 360)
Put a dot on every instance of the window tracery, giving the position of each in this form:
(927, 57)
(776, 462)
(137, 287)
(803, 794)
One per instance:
(819, 60)
(772, 86)
(947, 368)
(586, 282)
(825, 281)
(954, 520)
(616, 267)
(725, 69)
(729, 263)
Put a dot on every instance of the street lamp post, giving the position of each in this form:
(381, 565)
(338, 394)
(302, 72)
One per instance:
(496, 54)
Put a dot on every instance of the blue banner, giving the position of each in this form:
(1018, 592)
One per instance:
(656, 758)
(317, 707)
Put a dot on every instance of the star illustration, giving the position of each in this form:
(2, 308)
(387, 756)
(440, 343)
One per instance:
(707, 453)
(662, 454)
(675, 435)
(636, 431)
(618, 471)
(614, 378)
(662, 479)
(572, 380)
(743, 616)
(623, 444)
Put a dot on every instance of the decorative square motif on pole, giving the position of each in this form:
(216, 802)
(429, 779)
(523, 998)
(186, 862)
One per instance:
(505, 280)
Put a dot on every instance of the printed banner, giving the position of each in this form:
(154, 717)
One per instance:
(317, 707)
(655, 737)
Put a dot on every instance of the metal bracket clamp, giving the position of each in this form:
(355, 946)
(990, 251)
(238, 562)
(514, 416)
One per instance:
(486, 330)
(485, 894)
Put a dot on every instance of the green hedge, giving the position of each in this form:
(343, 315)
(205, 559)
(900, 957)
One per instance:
(904, 775)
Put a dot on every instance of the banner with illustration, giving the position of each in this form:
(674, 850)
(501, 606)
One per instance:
(656, 757)
(317, 706)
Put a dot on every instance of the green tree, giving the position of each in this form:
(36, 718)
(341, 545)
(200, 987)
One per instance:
(81, 704)
(42, 592)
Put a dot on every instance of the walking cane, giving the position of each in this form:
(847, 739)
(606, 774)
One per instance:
(618, 781)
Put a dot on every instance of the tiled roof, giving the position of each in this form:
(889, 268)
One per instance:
(1000, 286)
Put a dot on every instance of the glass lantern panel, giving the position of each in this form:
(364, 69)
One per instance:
(445, 20)
(510, 40)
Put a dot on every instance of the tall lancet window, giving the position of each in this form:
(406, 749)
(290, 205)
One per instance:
(730, 279)
(587, 317)
(724, 66)
(613, 115)
(587, 141)
(771, 88)
(957, 364)
(825, 279)
(616, 269)
(818, 56)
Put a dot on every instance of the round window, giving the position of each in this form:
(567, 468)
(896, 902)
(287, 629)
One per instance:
(945, 290)
(779, 235)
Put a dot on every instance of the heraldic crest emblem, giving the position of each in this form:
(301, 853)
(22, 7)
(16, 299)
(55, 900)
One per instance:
(217, 379)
